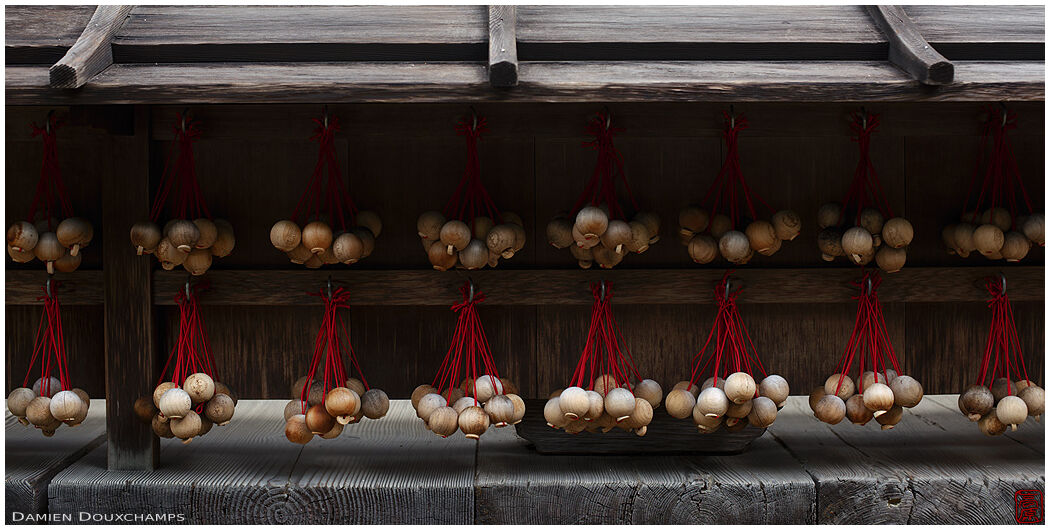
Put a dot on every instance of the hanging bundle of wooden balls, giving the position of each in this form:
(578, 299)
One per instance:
(49, 408)
(608, 405)
(707, 237)
(189, 243)
(593, 237)
(1004, 404)
(316, 244)
(884, 397)
(471, 407)
(871, 238)
(187, 411)
(453, 243)
(59, 249)
(995, 234)
(327, 414)
(733, 402)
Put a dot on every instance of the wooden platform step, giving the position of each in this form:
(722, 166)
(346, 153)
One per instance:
(934, 467)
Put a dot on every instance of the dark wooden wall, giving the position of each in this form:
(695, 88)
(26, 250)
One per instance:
(402, 159)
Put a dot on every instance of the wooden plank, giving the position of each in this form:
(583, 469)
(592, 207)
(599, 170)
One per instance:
(571, 287)
(934, 467)
(909, 49)
(236, 474)
(92, 52)
(503, 46)
(31, 460)
(988, 32)
(391, 470)
(736, 81)
(23, 287)
(517, 486)
(129, 326)
(42, 34)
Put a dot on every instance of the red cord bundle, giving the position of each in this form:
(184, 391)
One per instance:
(190, 401)
(601, 395)
(728, 398)
(325, 406)
(483, 398)
(471, 231)
(191, 237)
(863, 227)
(997, 399)
(327, 207)
(1003, 230)
(51, 402)
(599, 230)
(55, 243)
(880, 390)
(715, 226)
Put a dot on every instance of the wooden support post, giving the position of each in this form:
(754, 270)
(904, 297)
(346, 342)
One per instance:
(92, 52)
(130, 330)
(909, 50)
(503, 46)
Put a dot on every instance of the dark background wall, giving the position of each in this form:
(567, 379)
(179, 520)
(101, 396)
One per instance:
(253, 162)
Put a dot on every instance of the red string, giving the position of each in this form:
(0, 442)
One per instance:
(50, 185)
(733, 349)
(49, 344)
(1001, 179)
(609, 167)
(869, 340)
(602, 351)
(730, 189)
(471, 199)
(469, 349)
(180, 175)
(1003, 345)
(330, 201)
(328, 347)
(191, 352)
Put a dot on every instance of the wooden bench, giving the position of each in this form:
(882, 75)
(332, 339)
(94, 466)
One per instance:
(934, 467)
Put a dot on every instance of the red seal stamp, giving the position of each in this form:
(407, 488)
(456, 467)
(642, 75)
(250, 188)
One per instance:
(1028, 506)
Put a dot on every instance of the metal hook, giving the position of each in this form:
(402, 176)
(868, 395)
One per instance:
(602, 296)
(608, 117)
(188, 286)
(185, 112)
(1002, 106)
(47, 124)
(474, 118)
(732, 117)
(470, 297)
(329, 286)
(869, 285)
(324, 115)
(47, 286)
(863, 117)
(1002, 278)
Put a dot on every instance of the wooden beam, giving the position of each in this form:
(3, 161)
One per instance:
(129, 325)
(92, 53)
(909, 49)
(503, 46)
(571, 287)
(22, 287)
(547, 82)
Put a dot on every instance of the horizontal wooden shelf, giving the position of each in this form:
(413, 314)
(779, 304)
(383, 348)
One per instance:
(612, 81)
(571, 287)
(78, 288)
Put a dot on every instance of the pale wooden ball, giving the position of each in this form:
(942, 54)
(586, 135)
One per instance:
(1015, 246)
(428, 404)
(341, 401)
(591, 221)
(830, 409)
(444, 421)
(224, 239)
(619, 403)
(595, 405)
(761, 235)
(988, 239)
(52, 386)
(500, 410)
(650, 391)
(429, 224)
(65, 405)
(209, 233)
(878, 398)
(897, 232)
(763, 412)
(292, 408)
(182, 233)
(679, 403)
(1034, 399)
(187, 426)
(18, 400)
(473, 422)
(989, 424)
(519, 408)
(774, 387)
(712, 402)
(740, 387)
(22, 236)
(844, 391)
(348, 248)
(639, 237)
(160, 390)
(857, 241)
(1012, 411)
(706, 424)
(891, 259)
(739, 410)
(553, 414)
(200, 386)
(38, 411)
(734, 245)
(175, 403)
(500, 240)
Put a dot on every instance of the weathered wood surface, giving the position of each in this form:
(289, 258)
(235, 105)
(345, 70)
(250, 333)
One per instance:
(503, 46)
(386, 471)
(31, 460)
(572, 287)
(934, 467)
(664, 435)
(909, 50)
(130, 332)
(92, 52)
(950, 25)
(725, 81)
(81, 287)
(515, 485)
(42, 34)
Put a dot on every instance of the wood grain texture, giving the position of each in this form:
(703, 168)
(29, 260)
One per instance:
(503, 46)
(909, 49)
(935, 466)
(129, 332)
(85, 349)
(92, 52)
(31, 460)
(42, 34)
(572, 287)
(735, 81)
(81, 287)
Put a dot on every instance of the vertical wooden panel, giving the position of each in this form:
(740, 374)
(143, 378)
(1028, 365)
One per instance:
(129, 326)
(84, 347)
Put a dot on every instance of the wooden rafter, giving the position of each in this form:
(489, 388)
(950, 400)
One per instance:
(92, 53)
(909, 49)
(503, 46)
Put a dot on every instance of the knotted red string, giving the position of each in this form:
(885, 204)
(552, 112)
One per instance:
(730, 192)
(1003, 346)
(471, 199)
(865, 189)
(49, 344)
(604, 352)
(601, 188)
(329, 201)
(191, 353)
(870, 341)
(1001, 181)
(49, 188)
(733, 350)
(469, 348)
(329, 347)
(180, 175)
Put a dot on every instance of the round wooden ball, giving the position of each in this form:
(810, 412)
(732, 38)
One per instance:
(878, 398)
(475, 255)
(317, 236)
(856, 411)
(739, 410)
(890, 418)
(891, 259)
(829, 215)
(720, 224)
(617, 235)
(595, 406)
(70, 263)
(182, 233)
(712, 402)
(18, 400)
(591, 221)
(473, 421)
(161, 426)
(440, 258)
(693, 218)
(763, 412)
(1012, 411)
(702, 249)
(871, 220)
(844, 391)
(1015, 246)
(574, 402)
(348, 248)
(38, 411)
(296, 431)
(500, 410)
(1033, 228)
(829, 241)
(444, 421)
(559, 233)
(734, 245)
(706, 424)
(318, 420)
(1001, 387)
(815, 396)
(22, 236)
(774, 387)
(857, 241)
(907, 392)
(552, 413)
(897, 232)
(220, 408)
(976, 401)
(200, 386)
(997, 216)
(74, 233)
(186, 427)
(501, 239)
(708, 383)
(65, 405)
(740, 387)
(761, 235)
(175, 403)
(421, 391)
(1035, 400)
(650, 391)
(641, 416)
(604, 383)
(786, 224)
(341, 401)
(639, 237)
(374, 403)
(209, 233)
(519, 408)
(160, 390)
(989, 424)
(48, 248)
(619, 403)
(679, 403)
(988, 239)
(487, 386)
(428, 404)
(830, 409)
(429, 224)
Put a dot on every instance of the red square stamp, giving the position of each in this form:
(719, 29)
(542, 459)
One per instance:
(1028, 506)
